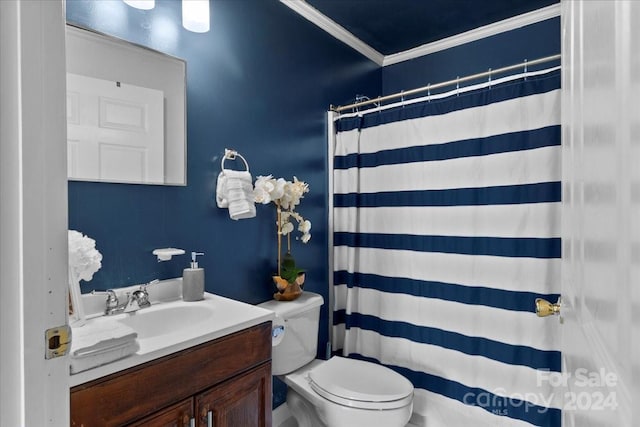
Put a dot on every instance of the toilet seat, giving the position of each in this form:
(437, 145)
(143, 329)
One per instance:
(360, 384)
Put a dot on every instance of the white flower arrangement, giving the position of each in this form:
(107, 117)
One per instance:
(84, 259)
(286, 195)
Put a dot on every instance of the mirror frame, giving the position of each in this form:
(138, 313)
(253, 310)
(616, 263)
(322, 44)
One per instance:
(106, 57)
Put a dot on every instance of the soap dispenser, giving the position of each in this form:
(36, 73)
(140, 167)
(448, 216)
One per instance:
(193, 280)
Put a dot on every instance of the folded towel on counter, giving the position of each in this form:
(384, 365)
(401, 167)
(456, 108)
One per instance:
(102, 357)
(234, 190)
(100, 337)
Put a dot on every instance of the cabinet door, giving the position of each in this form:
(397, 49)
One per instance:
(178, 415)
(242, 401)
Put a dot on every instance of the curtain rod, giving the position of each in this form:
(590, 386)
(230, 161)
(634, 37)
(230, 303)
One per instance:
(443, 84)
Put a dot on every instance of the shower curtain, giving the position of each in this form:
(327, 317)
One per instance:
(446, 219)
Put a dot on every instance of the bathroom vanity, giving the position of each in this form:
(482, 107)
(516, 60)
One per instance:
(220, 378)
(227, 380)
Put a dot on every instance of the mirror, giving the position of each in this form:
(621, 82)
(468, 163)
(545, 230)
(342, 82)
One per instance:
(126, 111)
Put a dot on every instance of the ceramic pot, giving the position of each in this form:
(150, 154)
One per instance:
(288, 291)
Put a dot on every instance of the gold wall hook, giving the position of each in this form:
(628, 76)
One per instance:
(544, 308)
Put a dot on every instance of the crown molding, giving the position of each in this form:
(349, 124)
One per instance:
(475, 34)
(316, 17)
(312, 14)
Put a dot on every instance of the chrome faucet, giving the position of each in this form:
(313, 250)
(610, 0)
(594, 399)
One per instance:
(113, 305)
(135, 300)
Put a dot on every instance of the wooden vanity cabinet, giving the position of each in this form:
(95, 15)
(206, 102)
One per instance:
(227, 379)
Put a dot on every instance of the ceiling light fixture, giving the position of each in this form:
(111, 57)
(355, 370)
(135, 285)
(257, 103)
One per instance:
(195, 15)
(141, 4)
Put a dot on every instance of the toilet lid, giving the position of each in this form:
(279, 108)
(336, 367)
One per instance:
(360, 384)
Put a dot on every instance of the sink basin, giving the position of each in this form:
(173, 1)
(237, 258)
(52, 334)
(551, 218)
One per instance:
(167, 319)
(172, 322)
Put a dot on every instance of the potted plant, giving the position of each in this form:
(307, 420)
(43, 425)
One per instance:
(285, 195)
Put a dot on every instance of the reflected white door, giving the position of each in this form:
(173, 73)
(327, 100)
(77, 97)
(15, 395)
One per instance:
(601, 212)
(115, 131)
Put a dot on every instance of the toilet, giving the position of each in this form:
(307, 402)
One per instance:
(339, 392)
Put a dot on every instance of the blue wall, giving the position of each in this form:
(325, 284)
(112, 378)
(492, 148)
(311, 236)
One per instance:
(501, 50)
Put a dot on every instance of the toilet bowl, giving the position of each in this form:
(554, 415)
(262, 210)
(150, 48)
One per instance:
(345, 392)
(339, 392)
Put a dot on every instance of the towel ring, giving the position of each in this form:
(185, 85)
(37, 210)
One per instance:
(231, 155)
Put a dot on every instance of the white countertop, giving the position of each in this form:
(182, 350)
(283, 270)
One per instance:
(223, 316)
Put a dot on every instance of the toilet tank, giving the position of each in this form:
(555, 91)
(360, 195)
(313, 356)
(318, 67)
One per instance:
(298, 345)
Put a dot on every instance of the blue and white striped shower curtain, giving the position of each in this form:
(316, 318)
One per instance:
(446, 228)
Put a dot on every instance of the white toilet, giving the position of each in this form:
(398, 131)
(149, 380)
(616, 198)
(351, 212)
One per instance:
(339, 392)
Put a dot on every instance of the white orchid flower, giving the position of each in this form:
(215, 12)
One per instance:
(284, 215)
(286, 228)
(263, 188)
(304, 226)
(287, 196)
(278, 189)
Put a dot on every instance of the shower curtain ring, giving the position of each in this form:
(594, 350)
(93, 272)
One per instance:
(489, 78)
(457, 85)
(429, 92)
(525, 69)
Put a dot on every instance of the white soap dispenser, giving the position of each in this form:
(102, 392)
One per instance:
(193, 280)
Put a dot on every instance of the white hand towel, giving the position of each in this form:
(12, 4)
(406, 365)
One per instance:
(234, 190)
(100, 336)
(221, 191)
(242, 209)
(79, 364)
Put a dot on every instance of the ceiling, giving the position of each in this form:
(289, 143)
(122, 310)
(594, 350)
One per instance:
(392, 26)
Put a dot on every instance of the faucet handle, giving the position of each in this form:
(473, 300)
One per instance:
(140, 297)
(143, 288)
(112, 299)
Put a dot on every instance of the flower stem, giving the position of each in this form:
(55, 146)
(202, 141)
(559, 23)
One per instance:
(279, 210)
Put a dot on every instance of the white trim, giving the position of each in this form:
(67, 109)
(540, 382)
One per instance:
(339, 32)
(307, 11)
(33, 221)
(475, 34)
(331, 140)
(12, 401)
